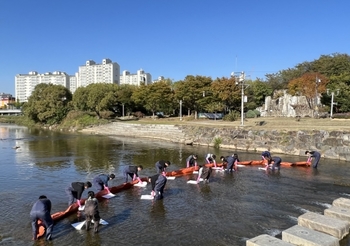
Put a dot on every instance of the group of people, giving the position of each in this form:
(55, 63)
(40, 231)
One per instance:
(41, 209)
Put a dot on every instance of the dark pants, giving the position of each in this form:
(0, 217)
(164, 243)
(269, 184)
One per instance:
(47, 221)
(72, 194)
(99, 185)
(126, 175)
(158, 196)
(95, 217)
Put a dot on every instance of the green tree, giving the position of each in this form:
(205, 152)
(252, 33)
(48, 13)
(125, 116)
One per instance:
(227, 92)
(194, 91)
(48, 104)
(98, 97)
(153, 97)
(257, 91)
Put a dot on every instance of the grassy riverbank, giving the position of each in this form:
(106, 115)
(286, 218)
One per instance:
(263, 123)
(79, 120)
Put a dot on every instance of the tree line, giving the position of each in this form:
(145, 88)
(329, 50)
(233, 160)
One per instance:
(49, 104)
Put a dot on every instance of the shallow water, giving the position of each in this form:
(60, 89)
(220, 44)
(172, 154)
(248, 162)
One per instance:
(229, 210)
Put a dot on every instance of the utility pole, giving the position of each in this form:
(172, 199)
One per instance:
(240, 79)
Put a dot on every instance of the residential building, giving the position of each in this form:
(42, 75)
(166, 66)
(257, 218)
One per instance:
(107, 72)
(6, 100)
(25, 83)
(135, 79)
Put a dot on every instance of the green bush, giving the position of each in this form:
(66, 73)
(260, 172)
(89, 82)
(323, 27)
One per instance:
(251, 114)
(257, 113)
(217, 141)
(232, 116)
(341, 116)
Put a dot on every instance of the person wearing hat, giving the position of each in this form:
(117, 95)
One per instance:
(162, 165)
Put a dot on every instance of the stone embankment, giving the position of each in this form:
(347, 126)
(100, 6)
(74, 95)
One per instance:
(331, 144)
(313, 228)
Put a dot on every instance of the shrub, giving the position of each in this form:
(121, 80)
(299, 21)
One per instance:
(251, 114)
(257, 113)
(217, 141)
(232, 116)
(341, 116)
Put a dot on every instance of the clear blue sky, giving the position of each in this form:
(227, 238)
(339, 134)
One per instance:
(172, 38)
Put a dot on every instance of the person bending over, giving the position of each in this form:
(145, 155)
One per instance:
(132, 171)
(276, 163)
(313, 156)
(101, 181)
(204, 173)
(191, 161)
(210, 158)
(41, 210)
(162, 165)
(75, 191)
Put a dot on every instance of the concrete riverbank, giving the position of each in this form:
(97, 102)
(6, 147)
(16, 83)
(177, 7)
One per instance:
(313, 228)
(333, 144)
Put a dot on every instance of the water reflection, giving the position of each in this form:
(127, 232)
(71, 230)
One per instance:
(227, 211)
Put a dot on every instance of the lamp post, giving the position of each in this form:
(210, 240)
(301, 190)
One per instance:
(123, 108)
(332, 93)
(240, 78)
(316, 93)
(180, 109)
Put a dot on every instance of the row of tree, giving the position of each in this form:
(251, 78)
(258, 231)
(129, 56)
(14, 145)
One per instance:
(50, 104)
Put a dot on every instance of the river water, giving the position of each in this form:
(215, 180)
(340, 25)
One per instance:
(229, 210)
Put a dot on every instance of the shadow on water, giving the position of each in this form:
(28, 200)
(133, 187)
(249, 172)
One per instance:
(228, 210)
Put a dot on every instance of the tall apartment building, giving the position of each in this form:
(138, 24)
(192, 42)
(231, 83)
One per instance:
(135, 79)
(25, 83)
(107, 72)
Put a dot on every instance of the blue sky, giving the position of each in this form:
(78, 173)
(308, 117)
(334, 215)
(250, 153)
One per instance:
(170, 38)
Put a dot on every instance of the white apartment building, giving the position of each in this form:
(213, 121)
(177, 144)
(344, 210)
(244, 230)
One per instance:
(90, 73)
(106, 72)
(135, 79)
(25, 83)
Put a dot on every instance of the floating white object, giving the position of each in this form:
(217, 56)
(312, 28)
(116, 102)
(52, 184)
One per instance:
(192, 182)
(170, 178)
(81, 208)
(195, 172)
(262, 168)
(147, 197)
(109, 195)
(240, 165)
(78, 225)
(217, 168)
(101, 222)
(143, 184)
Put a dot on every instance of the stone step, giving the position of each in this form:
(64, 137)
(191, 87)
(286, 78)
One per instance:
(266, 240)
(299, 235)
(338, 213)
(342, 202)
(335, 227)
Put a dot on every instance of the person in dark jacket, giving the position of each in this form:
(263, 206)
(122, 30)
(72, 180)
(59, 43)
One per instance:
(91, 211)
(265, 154)
(204, 173)
(132, 171)
(101, 181)
(191, 161)
(162, 165)
(230, 161)
(276, 163)
(314, 156)
(41, 210)
(158, 182)
(75, 191)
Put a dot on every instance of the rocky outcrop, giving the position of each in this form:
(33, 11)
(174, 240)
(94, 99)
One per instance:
(331, 144)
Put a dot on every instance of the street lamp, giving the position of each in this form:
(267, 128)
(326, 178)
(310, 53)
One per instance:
(332, 103)
(180, 109)
(316, 94)
(123, 108)
(240, 78)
